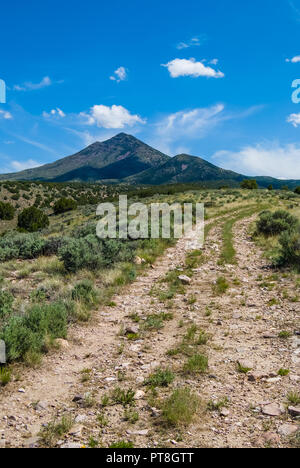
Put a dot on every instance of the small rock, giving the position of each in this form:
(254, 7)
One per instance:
(71, 445)
(132, 330)
(41, 406)
(294, 411)
(184, 279)
(139, 395)
(32, 442)
(77, 398)
(254, 376)
(21, 390)
(155, 413)
(246, 364)
(76, 430)
(274, 380)
(63, 344)
(273, 409)
(143, 432)
(80, 418)
(287, 430)
(224, 412)
(271, 438)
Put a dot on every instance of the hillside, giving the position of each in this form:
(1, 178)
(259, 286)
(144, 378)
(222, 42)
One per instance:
(116, 158)
(173, 347)
(184, 169)
(124, 158)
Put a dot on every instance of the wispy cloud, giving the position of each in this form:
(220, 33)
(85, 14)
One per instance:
(190, 67)
(119, 75)
(34, 143)
(30, 86)
(5, 115)
(264, 159)
(172, 132)
(22, 165)
(295, 9)
(195, 41)
(177, 132)
(54, 113)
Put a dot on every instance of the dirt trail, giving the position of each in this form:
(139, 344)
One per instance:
(238, 324)
(95, 347)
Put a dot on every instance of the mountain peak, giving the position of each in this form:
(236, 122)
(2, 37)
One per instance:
(125, 158)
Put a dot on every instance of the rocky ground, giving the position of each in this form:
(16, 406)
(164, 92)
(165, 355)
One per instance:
(244, 326)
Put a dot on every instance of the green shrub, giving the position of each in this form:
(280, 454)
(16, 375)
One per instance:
(221, 285)
(160, 378)
(77, 254)
(198, 363)
(128, 274)
(289, 253)
(56, 429)
(249, 184)
(7, 211)
(8, 249)
(63, 205)
(121, 444)
(5, 376)
(123, 397)
(84, 291)
(272, 224)
(297, 190)
(6, 302)
(47, 320)
(29, 332)
(32, 219)
(25, 246)
(18, 339)
(117, 251)
(52, 245)
(180, 407)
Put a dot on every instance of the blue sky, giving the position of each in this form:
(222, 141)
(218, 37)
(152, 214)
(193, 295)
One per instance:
(212, 79)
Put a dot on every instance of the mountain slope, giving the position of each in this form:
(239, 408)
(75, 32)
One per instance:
(116, 158)
(184, 168)
(124, 158)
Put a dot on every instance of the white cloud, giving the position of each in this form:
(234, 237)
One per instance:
(295, 59)
(266, 159)
(172, 132)
(184, 67)
(34, 143)
(195, 41)
(54, 113)
(294, 119)
(22, 165)
(191, 122)
(29, 86)
(5, 115)
(111, 117)
(119, 75)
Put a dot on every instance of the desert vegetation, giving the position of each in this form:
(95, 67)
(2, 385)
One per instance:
(159, 336)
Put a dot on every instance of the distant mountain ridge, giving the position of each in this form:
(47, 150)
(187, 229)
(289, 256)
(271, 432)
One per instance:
(124, 158)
